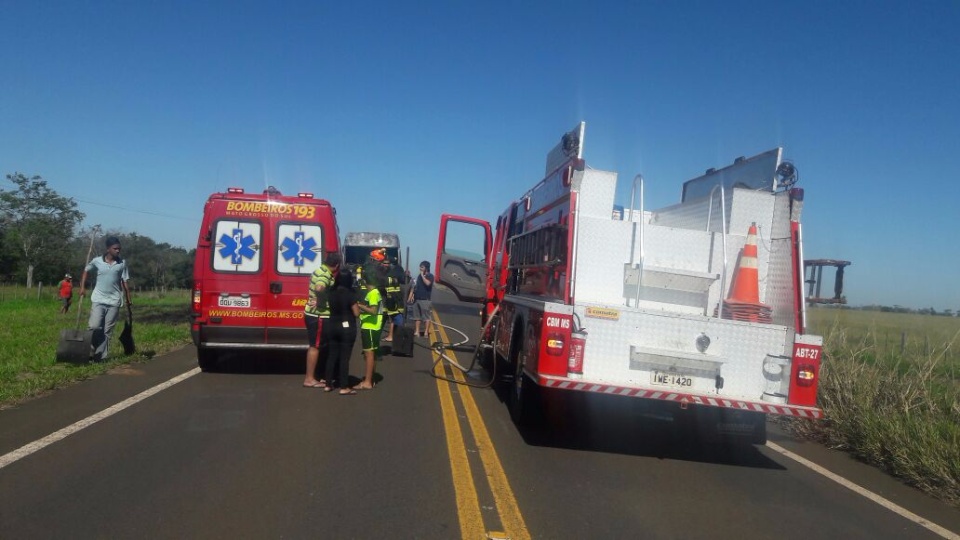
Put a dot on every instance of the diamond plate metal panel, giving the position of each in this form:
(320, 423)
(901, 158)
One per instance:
(683, 249)
(603, 247)
(740, 348)
(596, 192)
(751, 207)
(780, 282)
(690, 215)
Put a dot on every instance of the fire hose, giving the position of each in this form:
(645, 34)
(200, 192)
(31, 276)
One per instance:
(440, 349)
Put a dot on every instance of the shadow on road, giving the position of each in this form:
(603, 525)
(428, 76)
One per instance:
(615, 424)
(277, 363)
(261, 363)
(456, 309)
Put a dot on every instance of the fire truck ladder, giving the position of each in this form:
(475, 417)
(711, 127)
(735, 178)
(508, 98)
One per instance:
(667, 277)
(723, 236)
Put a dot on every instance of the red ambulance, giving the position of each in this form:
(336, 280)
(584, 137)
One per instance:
(255, 254)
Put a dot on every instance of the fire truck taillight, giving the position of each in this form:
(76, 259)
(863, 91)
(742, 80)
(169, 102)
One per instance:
(806, 375)
(554, 344)
(235, 190)
(305, 195)
(578, 342)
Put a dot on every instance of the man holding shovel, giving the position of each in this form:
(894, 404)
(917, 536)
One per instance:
(109, 293)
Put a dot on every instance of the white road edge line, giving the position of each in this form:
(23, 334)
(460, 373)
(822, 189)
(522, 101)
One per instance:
(59, 435)
(933, 527)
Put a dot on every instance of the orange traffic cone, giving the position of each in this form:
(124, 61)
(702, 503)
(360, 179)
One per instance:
(746, 281)
(743, 303)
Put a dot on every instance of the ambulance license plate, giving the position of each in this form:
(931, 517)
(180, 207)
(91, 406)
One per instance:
(671, 378)
(233, 301)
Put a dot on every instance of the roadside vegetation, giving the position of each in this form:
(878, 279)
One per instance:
(30, 325)
(41, 241)
(890, 390)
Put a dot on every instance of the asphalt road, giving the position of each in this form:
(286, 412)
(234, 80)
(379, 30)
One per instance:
(250, 453)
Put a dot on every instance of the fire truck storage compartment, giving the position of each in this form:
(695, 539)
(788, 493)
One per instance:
(629, 346)
(682, 261)
(662, 272)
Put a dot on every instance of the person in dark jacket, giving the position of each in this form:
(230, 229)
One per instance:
(393, 315)
(420, 293)
(340, 331)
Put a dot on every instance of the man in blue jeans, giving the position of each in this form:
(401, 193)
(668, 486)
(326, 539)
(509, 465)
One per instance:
(109, 292)
(420, 293)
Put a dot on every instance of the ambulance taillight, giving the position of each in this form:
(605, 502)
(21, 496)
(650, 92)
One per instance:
(197, 294)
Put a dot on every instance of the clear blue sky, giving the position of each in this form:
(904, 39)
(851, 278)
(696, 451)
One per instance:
(399, 111)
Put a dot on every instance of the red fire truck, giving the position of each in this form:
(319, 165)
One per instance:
(252, 268)
(696, 307)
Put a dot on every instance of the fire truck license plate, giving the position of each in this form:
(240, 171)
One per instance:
(670, 378)
(233, 301)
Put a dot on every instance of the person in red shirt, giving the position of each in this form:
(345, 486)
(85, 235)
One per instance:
(66, 293)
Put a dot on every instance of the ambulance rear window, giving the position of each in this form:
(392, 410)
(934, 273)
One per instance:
(299, 248)
(237, 246)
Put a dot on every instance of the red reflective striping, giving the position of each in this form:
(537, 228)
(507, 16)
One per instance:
(802, 412)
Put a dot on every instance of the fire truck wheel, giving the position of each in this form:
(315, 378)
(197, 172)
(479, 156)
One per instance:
(524, 398)
(753, 430)
(486, 358)
(208, 360)
(759, 435)
(733, 427)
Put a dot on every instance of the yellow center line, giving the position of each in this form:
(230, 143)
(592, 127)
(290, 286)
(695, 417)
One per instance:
(510, 517)
(468, 506)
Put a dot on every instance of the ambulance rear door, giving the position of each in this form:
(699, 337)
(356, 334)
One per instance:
(297, 246)
(235, 300)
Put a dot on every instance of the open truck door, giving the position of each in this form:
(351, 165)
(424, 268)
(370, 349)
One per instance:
(462, 260)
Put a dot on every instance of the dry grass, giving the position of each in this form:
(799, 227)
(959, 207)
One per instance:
(896, 407)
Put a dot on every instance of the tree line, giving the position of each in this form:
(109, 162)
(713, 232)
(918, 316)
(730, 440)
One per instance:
(920, 311)
(41, 240)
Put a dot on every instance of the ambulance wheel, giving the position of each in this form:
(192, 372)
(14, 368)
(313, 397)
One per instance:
(208, 359)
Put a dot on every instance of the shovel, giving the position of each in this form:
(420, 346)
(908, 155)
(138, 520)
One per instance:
(126, 337)
(75, 344)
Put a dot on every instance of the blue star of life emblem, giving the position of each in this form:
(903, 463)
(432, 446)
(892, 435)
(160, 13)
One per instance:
(298, 248)
(237, 247)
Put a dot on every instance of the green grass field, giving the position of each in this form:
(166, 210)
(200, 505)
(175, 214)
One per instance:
(30, 330)
(891, 334)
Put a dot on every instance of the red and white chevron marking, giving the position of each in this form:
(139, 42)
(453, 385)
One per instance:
(692, 399)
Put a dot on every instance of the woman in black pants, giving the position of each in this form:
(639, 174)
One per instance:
(340, 332)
